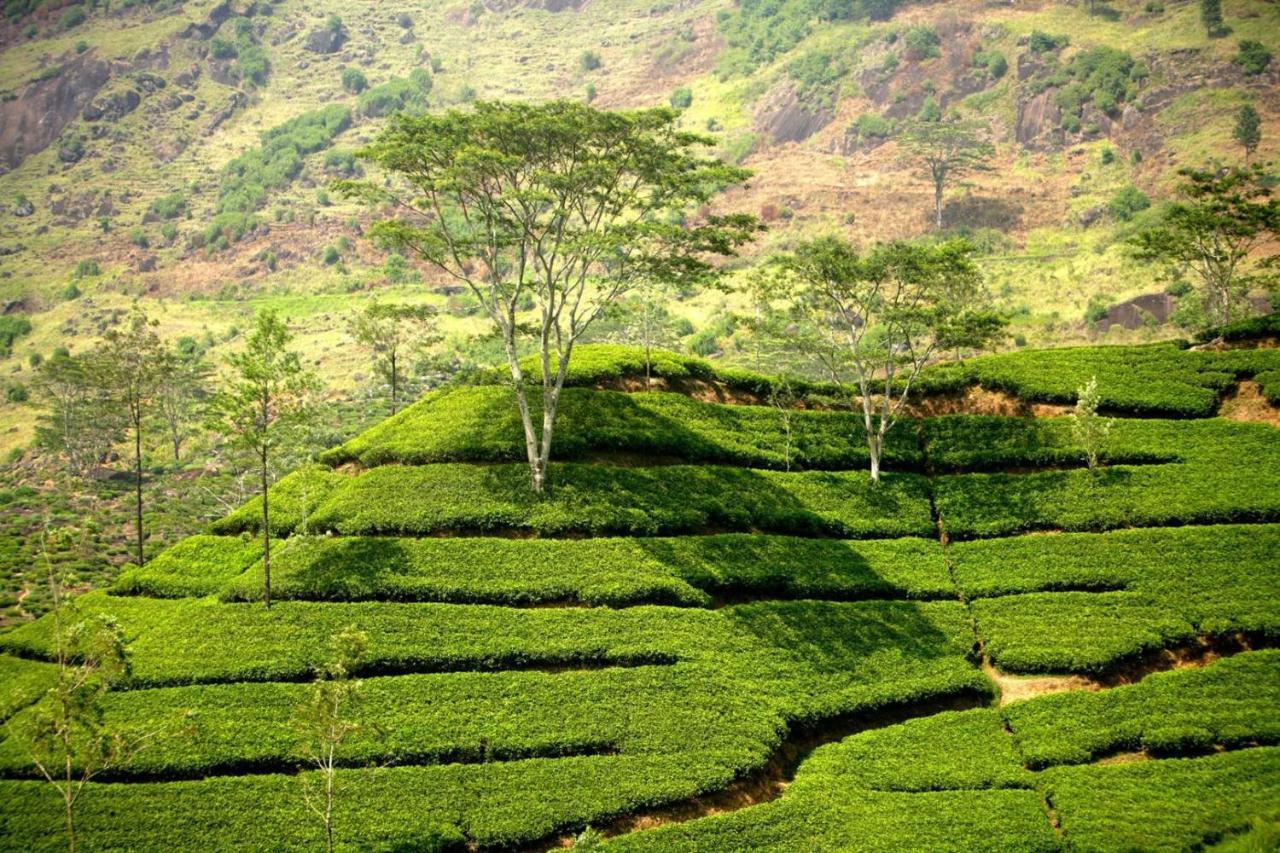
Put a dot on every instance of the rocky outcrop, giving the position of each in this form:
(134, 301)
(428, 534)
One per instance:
(238, 100)
(208, 28)
(112, 107)
(326, 40)
(1133, 314)
(35, 118)
(784, 117)
(1036, 117)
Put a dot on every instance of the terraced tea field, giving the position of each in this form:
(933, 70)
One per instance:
(711, 636)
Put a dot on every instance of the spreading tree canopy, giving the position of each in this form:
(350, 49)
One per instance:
(557, 206)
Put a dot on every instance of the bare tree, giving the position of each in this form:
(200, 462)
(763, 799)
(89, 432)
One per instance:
(326, 721)
(132, 362)
(553, 210)
(394, 333)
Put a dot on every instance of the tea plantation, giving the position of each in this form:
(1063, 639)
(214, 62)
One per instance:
(714, 633)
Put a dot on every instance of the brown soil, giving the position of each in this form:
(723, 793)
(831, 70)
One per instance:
(1125, 758)
(1246, 403)
(979, 401)
(1016, 688)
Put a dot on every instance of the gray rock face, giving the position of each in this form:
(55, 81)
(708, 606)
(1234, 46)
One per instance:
(325, 40)
(36, 117)
(784, 117)
(24, 208)
(113, 107)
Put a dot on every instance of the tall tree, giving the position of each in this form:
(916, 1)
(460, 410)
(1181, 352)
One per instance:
(182, 388)
(558, 204)
(78, 422)
(945, 150)
(393, 334)
(646, 322)
(1248, 130)
(874, 321)
(132, 362)
(267, 393)
(1225, 215)
(1211, 17)
(326, 720)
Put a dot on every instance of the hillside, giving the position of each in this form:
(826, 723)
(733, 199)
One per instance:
(179, 151)
(714, 633)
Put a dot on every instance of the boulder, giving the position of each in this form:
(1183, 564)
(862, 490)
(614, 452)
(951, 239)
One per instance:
(326, 40)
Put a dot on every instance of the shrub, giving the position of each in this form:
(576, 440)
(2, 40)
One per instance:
(72, 16)
(872, 126)
(682, 98)
(1127, 203)
(589, 60)
(992, 60)
(921, 43)
(170, 206)
(1041, 42)
(354, 81)
(1253, 57)
(86, 269)
(16, 392)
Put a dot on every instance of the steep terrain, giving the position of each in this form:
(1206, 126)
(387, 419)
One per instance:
(180, 151)
(715, 634)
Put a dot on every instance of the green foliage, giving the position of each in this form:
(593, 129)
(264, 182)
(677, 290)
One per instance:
(1226, 473)
(198, 565)
(1041, 42)
(759, 31)
(397, 94)
(682, 98)
(1156, 379)
(248, 179)
(71, 17)
(992, 60)
(872, 126)
(353, 80)
(1253, 57)
(1211, 17)
(12, 327)
(1248, 129)
(86, 269)
(1102, 76)
(1088, 602)
(691, 571)
(170, 206)
(1128, 202)
(481, 424)
(1227, 704)
(921, 42)
(603, 500)
(589, 61)
(1176, 803)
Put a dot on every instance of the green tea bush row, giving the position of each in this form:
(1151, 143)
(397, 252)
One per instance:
(1229, 703)
(990, 443)
(24, 681)
(1168, 586)
(1252, 328)
(198, 565)
(1173, 804)
(1155, 379)
(1075, 631)
(482, 424)
(945, 782)
(1229, 472)
(599, 500)
(688, 571)
(188, 641)
(293, 498)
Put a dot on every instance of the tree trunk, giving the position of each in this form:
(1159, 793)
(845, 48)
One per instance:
(937, 203)
(874, 445)
(266, 534)
(393, 383)
(137, 472)
(522, 403)
(71, 825)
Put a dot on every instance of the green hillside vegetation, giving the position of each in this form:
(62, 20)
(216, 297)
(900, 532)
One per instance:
(648, 634)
